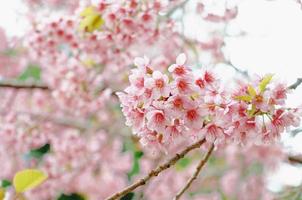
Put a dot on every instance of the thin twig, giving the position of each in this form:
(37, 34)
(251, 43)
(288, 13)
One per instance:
(22, 85)
(295, 85)
(156, 171)
(181, 5)
(296, 131)
(242, 72)
(197, 171)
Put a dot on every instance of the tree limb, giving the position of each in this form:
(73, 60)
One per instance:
(295, 85)
(295, 159)
(197, 171)
(156, 171)
(22, 85)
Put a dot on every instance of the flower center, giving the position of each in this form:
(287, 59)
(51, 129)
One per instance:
(177, 103)
(159, 83)
(182, 85)
(192, 115)
(159, 117)
(179, 71)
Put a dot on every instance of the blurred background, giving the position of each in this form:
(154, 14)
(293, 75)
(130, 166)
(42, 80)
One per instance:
(265, 37)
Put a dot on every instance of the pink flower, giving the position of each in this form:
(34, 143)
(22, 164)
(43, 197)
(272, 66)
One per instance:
(156, 120)
(193, 117)
(159, 85)
(183, 85)
(137, 80)
(178, 69)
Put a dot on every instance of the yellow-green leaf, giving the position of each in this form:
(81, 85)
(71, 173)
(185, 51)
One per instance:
(252, 111)
(88, 11)
(89, 63)
(251, 91)
(2, 193)
(28, 179)
(246, 98)
(91, 21)
(264, 82)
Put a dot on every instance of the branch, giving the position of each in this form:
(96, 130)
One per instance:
(22, 85)
(296, 131)
(156, 171)
(295, 85)
(181, 5)
(295, 159)
(197, 171)
(238, 70)
(62, 121)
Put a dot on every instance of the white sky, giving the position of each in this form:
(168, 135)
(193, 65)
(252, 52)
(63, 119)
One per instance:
(273, 45)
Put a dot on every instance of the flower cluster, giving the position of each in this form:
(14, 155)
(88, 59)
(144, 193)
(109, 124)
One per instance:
(165, 109)
(89, 161)
(80, 53)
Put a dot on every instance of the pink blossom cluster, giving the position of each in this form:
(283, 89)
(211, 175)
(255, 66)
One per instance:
(91, 158)
(81, 64)
(218, 11)
(166, 108)
(54, 4)
(92, 162)
(13, 59)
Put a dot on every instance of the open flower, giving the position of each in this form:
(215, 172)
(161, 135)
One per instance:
(159, 83)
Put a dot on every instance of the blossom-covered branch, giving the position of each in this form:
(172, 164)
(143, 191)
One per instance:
(157, 171)
(196, 173)
(163, 111)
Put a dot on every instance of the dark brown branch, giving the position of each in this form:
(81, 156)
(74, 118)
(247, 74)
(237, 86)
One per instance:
(22, 85)
(295, 85)
(295, 159)
(156, 171)
(196, 173)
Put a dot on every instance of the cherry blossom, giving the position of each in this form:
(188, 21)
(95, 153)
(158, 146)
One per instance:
(202, 107)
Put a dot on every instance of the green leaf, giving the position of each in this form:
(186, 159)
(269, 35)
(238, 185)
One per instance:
(28, 179)
(39, 152)
(73, 196)
(129, 145)
(128, 196)
(264, 82)
(183, 163)
(10, 52)
(5, 183)
(32, 72)
(137, 155)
